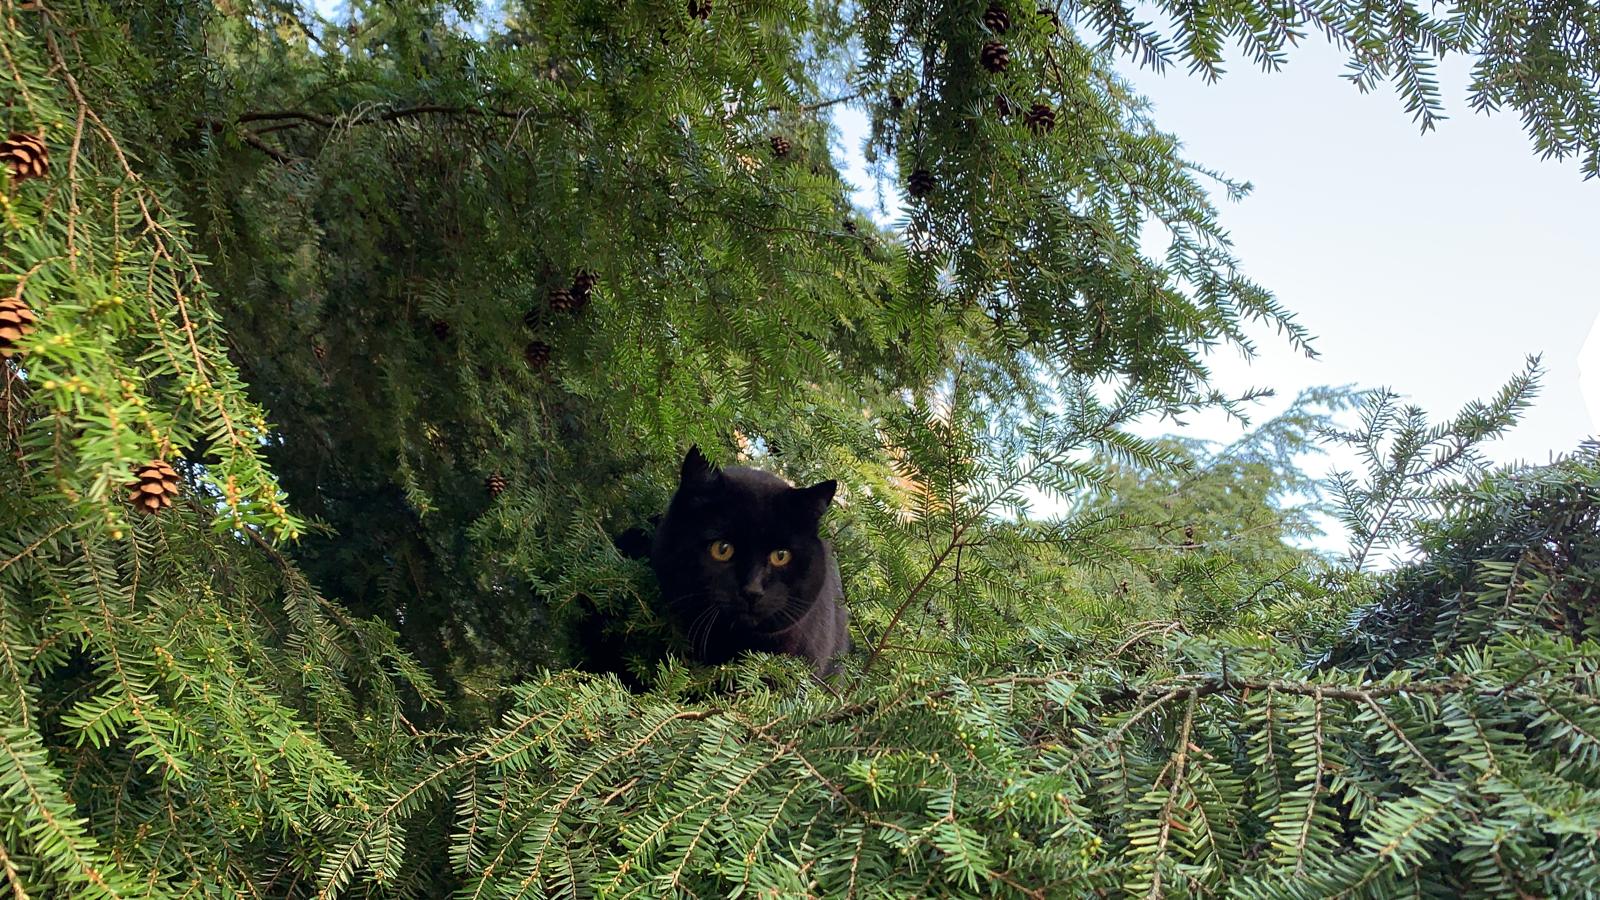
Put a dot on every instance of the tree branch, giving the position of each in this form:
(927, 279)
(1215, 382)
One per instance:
(388, 115)
(933, 569)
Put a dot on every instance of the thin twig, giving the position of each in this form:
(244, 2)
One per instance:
(1179, 765)
(883, 640)
(13, 877)
(821, 104)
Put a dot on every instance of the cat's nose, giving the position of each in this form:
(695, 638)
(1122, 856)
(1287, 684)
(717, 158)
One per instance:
(753, 590)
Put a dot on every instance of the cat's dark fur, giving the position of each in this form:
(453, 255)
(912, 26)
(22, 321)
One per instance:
(746, 603)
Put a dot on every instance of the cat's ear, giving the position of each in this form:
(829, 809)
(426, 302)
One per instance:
(696, 468)
(813, 501)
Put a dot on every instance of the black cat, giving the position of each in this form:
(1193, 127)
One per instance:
(740, 564)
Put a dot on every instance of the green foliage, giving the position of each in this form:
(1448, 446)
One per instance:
(179, 708)
(1192, 757)
(1510, 551)
(1411, 466)
(304, 258)
(1223, 530)
(1536, 58)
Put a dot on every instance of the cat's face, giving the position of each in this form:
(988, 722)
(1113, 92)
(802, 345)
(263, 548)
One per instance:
(740, 546)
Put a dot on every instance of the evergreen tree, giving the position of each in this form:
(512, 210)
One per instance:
(338, 349)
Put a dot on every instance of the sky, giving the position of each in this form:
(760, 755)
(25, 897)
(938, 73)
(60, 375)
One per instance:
(1428, 263)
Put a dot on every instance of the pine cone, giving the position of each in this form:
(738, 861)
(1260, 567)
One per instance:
(920, 183)
(780, 145)
(16, 322)
(532, 317)
(996, 20)
(441, 329)
(1041, 119)
(561, 300)
(583, 282)
(154, 485)
(537, 353)
(496, 485)
(1003, 106)
(319, 351)
(995, 57)
(25, 156)
(700, 9)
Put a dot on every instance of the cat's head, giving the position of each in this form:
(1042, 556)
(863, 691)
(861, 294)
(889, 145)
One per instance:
(741, 546)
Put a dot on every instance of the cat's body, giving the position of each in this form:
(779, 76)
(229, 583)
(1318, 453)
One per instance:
(742, 567)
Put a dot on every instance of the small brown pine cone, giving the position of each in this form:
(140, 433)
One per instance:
(920, 183)
(25, 156)
(441, 329)
(16, 322)
(1040, 119)
(995, 57)
(537, 353)
(583, 282)
(561, 300)
(700, 9)
(996, 20)
(319, 351)
(780, 145)
(1003, 107)
(496, 484)
(154, 485)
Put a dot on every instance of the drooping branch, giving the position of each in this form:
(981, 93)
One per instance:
(295, 118)
(386, 115)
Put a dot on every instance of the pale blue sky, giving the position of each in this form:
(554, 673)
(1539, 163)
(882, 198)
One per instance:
(1428, 263)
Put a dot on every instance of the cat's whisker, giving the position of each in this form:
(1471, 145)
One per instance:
(689, 599)
(790, 613)
(705, 631)
(706, 635)
(705, 619)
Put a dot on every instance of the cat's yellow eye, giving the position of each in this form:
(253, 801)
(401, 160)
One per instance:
(780, 558)
(721, 551)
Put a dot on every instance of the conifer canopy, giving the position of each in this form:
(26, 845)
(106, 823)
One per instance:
(345, 351)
